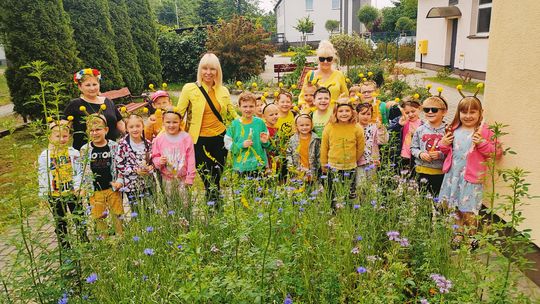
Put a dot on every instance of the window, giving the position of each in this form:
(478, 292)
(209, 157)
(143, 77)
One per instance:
(336, 4)
(484, 16)
(309, 5)
(453, 2)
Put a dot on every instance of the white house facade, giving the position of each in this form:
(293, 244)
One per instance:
(288, 12)
(457, 34)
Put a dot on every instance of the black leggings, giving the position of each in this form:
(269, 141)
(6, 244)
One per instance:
(60, 206)
(346, 178)
(210, 156)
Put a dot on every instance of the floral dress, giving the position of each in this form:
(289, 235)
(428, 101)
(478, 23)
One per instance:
(455, 190)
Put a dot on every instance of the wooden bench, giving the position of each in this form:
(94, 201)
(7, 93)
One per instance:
(283, 68)
(305, 71)
(125, 93)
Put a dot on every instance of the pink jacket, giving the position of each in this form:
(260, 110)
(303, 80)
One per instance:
(180, 154)
(475, 168)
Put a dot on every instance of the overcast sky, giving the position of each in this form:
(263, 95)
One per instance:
(268, 5)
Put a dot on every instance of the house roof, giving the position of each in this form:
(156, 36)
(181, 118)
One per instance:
(444, 12)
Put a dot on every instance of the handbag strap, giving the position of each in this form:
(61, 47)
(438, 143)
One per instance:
(210, 103)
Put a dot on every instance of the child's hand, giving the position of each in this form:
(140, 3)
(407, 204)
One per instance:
(425, 156)
(116, 185)
(152, 119)
(264, 137)
(163, 160)
(80, 193)
(477, 138)
(247, 143)
(403, 120)
(447, 139)
(434, 155)
(377, 162)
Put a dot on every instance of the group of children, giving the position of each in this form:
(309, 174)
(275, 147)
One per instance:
(326, 141)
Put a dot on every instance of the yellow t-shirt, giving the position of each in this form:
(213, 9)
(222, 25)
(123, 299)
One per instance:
(342, 145)
(211, 126)
(336, 84)
(303, 148)
(62, 172)
(285, 125)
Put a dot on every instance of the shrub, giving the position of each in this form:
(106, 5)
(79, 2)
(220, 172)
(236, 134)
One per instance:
(144, 32)
(127, 53)
(180, 54)
(299, 58)
(35, 30)
(444, 72)
(351, 49)
(240, 46)
(389, 50)
(95, 40)
(375, 68)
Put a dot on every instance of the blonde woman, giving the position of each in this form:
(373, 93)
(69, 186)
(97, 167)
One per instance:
(325, 75)
(207, 106)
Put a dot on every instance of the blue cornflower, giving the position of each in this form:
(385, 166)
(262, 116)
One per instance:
(134, 214)
(258, 199)
(288, 300)
(179, 246)
(136, 238)
(169, 243)
(301, 209)
(236, 191)
(171, 212)
(436, 199)
(324, 176)
(374, 203)
(359, 238)
(144, 277)
(149, 251)
(455, 226)
(280, 210)
(92, 278)
(260, 215)
(64, 299)
(346, 174)
(149, 229)
(210, 203)
(361, 270)
(356, 206)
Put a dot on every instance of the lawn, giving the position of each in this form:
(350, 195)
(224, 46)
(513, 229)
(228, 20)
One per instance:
(453, 82)
(4, 91)
(17, 174)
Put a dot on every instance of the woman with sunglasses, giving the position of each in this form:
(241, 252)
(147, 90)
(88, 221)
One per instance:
(326, 75)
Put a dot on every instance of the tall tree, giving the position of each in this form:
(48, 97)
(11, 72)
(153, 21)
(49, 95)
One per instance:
(207, 12)
(367, 14)
(144, 32)
(95, 38)
(127, 53)
(36, 30)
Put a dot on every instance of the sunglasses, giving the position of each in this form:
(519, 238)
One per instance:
(433, 110)
(327, 59)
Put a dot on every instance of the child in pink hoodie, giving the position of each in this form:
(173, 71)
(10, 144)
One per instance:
(173, 155)
(467, 146)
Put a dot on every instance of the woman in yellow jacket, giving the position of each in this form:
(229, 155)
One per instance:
(208, 109)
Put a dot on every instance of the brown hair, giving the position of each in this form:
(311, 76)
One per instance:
(364, 105)
(247, 96)
(466, 104)
(437, 99)
(321, 90)
(370, 83)
(355, 89)
(411, 102)
(288, 94)
(344, 102)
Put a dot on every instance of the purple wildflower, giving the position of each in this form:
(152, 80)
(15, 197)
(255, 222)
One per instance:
(179, 247)
(288, 300)
(393, 236)
(210, 203)
(92, 278)
(443, 284)
(136, 238)
(171, 212)
(64, 299)
(361, 270)
(355, 250)
(356, 206)
(359, 238)
(280, 210)
(149, 229)
(149, 251)
(424, 301)
(404, 242)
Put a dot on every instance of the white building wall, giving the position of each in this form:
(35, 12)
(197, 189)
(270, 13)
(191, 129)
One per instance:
(471, 54)
(288, 12)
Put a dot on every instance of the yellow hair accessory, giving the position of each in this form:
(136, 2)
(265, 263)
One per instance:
(280, 84)
(103, 107)
(439, 89)
(123, 110)
(370, 74)
(416, 96)
(397, 99)
(265, 94)
(82, 108)
(364, 79)
(480, 85)
(361, 75)
(239, 83)
(70, 118)
(151, 86)
(276, 94)
(263, 98)
(254, 85)
(164, 86)
(293, 86)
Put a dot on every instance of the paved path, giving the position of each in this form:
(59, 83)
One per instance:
(6, 110)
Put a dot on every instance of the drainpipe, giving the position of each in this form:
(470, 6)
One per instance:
(341, 2)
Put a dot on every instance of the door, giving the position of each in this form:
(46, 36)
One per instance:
(453, 43)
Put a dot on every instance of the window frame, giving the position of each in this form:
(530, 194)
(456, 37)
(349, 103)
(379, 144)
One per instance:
(338, 2)
(309, 8)
(483, 6)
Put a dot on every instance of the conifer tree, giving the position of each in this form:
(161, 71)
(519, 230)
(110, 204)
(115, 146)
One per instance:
(95, 39)
(208, 13)
(127, 53)
(36, 30)
(144, 32)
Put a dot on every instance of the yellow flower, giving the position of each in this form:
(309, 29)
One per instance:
(439, 89)
(103, 107)
(123, 109)
(397, 99)
(364, 79)
(265, 94)
(429, 86)
(347, 80)
(254, 85)
(145, 110)
(276, 93)
(82, 108)
(88, 72)
(245, 202)
(238, 83)
(281, 84)
(370, 74)
(164, 85)
(352, 99)
(416, 96)
(459, 87)
(361, 75)
(293, 86)
(480, 85)
(70, 118)
(151, 86)
(49, 119)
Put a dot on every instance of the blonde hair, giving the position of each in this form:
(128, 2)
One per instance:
(355, 89)
(326, 49)
(344, 102)
(210, 60)
(247, 96)
(436, 99)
